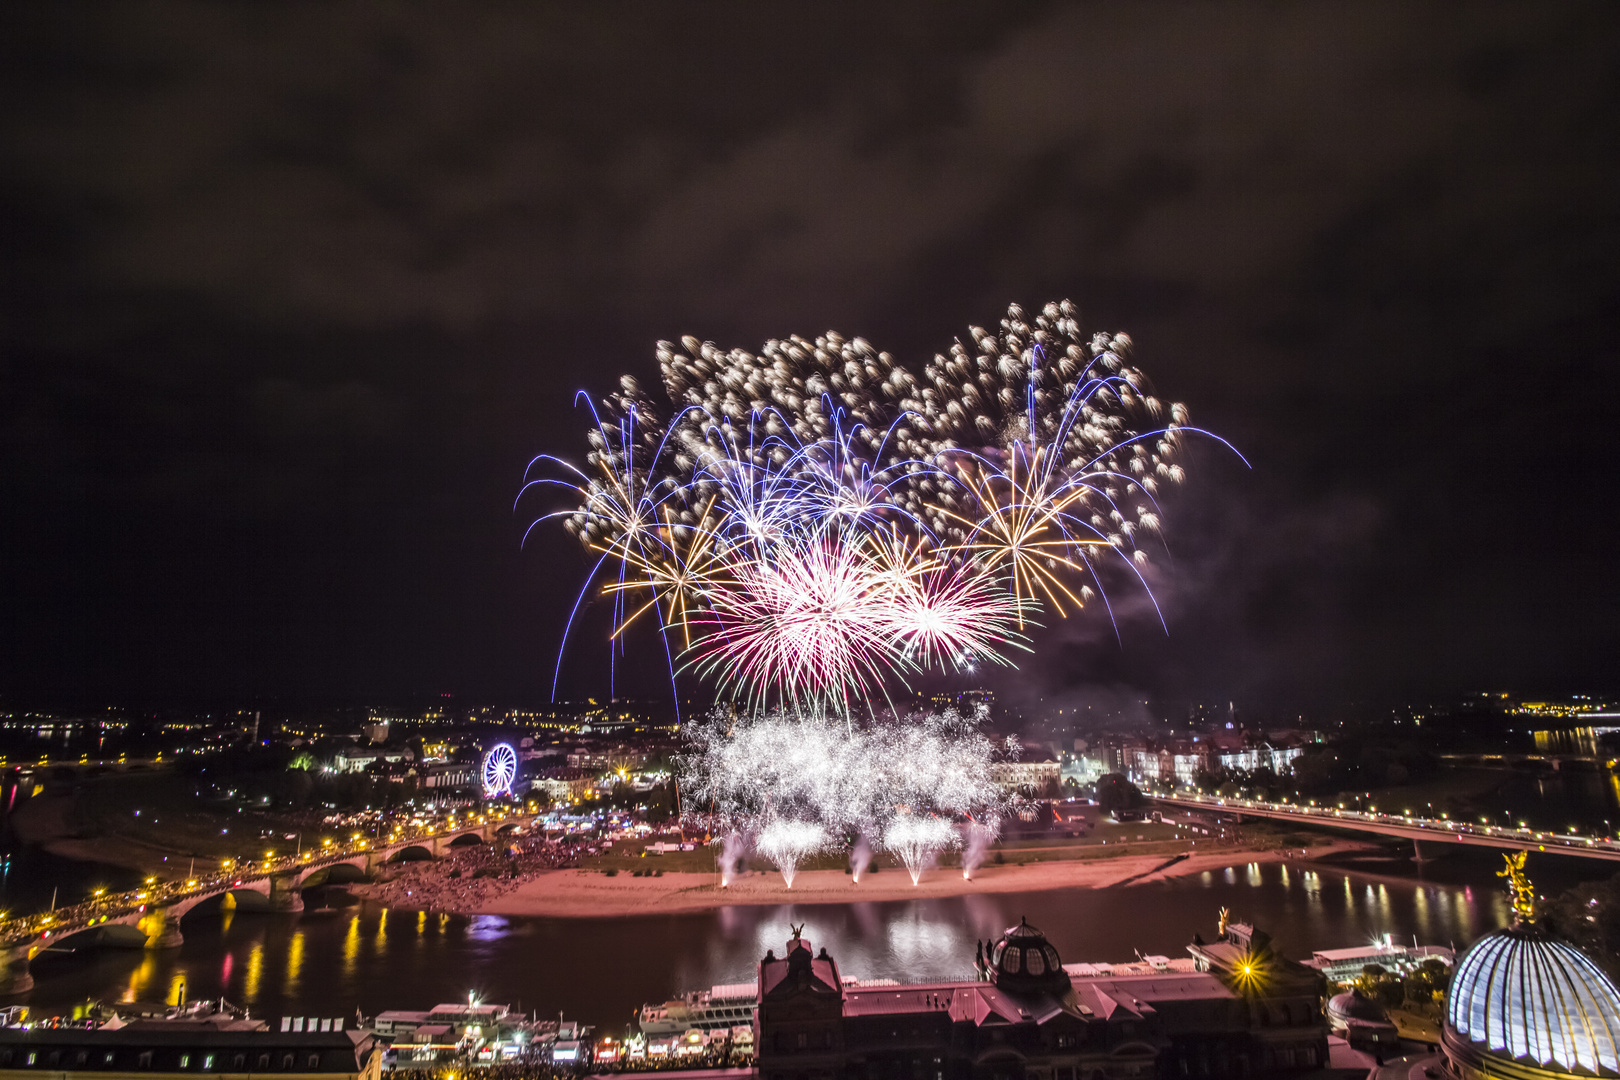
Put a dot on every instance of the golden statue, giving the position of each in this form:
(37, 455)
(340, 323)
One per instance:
(1226, 914)
(1519, 887)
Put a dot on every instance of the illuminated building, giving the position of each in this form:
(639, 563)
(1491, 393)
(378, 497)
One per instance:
(1524, 1005)
(1033, 771)
(1030, 1017)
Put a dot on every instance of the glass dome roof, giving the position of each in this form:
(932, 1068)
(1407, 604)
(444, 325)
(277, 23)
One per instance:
(1522, 994)
(1024, 960)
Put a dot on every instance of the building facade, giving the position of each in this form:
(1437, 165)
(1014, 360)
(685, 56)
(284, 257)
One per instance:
(1029, 1018)
(156, 1049)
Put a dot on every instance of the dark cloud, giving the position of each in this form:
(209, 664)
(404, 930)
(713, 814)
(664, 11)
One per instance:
(291, 295)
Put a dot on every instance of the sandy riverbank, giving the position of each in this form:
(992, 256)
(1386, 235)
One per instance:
(585, 893)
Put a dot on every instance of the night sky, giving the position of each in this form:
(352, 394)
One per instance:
(292, 295)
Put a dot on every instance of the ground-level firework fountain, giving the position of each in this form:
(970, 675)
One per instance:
(860, 857)
(976, 841)
(788, 843)
(917, 841)
(802, 783)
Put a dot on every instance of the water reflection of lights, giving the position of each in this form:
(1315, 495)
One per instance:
(351, 948)
(177, 986)
(920, 941)
(295, 960)
(142, 978)
(255, 969)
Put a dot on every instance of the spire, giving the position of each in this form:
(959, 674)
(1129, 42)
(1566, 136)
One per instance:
(1519, 888)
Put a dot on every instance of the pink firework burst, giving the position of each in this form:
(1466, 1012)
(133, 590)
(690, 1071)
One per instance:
(807, 621)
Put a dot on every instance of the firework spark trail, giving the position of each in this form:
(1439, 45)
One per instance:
(813, 520)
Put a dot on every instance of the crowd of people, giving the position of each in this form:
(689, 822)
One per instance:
(720, 1055)
(469, 875)
(510, 1070)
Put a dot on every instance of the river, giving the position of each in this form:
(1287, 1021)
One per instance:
(600, 970)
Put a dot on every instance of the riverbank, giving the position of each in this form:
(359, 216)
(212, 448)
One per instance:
(45, 822)
(588, 893)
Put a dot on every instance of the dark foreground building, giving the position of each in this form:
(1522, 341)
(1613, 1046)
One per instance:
(157, 1049)
(1248, 1012)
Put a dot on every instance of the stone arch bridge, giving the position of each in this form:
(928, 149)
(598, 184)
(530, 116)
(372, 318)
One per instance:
(151, 919)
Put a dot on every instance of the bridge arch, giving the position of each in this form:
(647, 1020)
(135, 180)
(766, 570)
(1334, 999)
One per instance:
(107, 935)
(467, 840)
(248, 896)
(412, 853)
(343, 872)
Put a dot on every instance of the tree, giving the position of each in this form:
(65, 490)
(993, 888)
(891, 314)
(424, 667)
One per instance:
(1589, 917)
(1427, 980)
(1114, 792)
(1377, 983)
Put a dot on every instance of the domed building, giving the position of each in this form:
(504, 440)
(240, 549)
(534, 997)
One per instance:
(1024, 962)
(1361, 1022)
(1524, 1005)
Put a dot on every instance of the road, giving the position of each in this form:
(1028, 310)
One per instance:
(1420, 830)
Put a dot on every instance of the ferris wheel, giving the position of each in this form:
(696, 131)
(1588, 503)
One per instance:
(499, 770)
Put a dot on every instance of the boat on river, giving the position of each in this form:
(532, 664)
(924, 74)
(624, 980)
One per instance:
(726, 1005)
